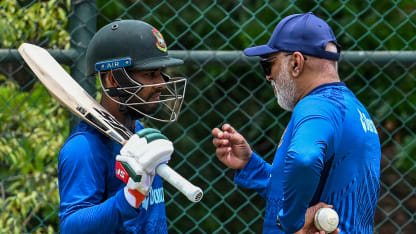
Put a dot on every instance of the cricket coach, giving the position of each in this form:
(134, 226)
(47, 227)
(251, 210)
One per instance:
(330, 150)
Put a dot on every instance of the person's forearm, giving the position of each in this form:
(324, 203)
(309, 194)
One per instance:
(255, 175)
(107, 216)
(304, 164)
(301, 178)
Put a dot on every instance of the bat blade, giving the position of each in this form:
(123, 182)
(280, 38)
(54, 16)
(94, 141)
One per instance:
(71, 95)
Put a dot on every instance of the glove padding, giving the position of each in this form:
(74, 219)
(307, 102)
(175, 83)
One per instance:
(137, 162)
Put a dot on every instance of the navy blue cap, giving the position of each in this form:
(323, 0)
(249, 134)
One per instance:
(305, 33)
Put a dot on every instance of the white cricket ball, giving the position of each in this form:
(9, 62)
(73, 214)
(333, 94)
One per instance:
(326, 219)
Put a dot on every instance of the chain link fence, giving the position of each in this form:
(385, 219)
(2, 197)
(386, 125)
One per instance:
(378, 64)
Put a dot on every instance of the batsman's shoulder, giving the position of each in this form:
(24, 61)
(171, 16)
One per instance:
(81, 145)
(83, 135)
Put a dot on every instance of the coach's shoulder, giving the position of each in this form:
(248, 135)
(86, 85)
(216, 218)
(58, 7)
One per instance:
(313, 104)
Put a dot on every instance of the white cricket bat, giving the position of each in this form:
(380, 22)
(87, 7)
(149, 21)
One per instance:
(70, 94)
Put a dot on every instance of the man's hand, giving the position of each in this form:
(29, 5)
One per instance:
(309, 226)
(137, 162)
(232, 149)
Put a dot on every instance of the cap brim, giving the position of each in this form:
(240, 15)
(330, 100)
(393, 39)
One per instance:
(158, 62)
(259, 50)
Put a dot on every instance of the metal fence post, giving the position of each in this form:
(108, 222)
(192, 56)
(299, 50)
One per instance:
(83, 22)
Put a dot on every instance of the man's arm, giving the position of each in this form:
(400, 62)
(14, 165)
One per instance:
(108, 216)
(255, 175)
(304, 163)
(84, 169)
(82, 179)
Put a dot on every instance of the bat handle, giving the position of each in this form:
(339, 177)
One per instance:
(192, 192)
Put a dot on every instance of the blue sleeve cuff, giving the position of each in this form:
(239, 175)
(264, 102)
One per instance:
(108, 216)
(126, 210)
(243, 176)
(254, 175)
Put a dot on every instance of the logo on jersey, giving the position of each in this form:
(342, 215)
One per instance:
(367, 123)
(160, 44)
(154, 197)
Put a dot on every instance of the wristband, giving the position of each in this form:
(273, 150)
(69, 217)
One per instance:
(134, 197)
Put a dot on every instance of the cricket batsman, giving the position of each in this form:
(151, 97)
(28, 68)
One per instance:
(98, 192)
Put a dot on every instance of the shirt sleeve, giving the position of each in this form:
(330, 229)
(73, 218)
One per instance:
(304, 163)
(254, 175)
(82, 175)
(108, 216)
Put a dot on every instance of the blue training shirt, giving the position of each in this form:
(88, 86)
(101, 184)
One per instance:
(92, 197)
(329, 152)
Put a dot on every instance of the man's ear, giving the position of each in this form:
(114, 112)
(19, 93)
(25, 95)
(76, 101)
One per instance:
(297, 62)
(109, 80)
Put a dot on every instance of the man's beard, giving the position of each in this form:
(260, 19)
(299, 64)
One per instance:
(137, 111)
(285, 91)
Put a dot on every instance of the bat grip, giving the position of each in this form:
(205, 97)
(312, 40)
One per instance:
(192, 192)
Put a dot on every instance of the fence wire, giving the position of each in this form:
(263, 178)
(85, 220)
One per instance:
(378, 64)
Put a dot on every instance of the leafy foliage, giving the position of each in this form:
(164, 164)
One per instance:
(34, 128)
(33, 125)
(42, 22)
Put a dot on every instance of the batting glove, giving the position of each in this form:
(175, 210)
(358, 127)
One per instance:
(138, 159)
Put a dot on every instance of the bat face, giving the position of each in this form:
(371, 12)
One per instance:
(70, 94)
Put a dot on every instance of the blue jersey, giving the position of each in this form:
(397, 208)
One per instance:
(92, 197)
(329, 152)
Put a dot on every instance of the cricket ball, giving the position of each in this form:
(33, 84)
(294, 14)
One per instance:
(326, 219)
